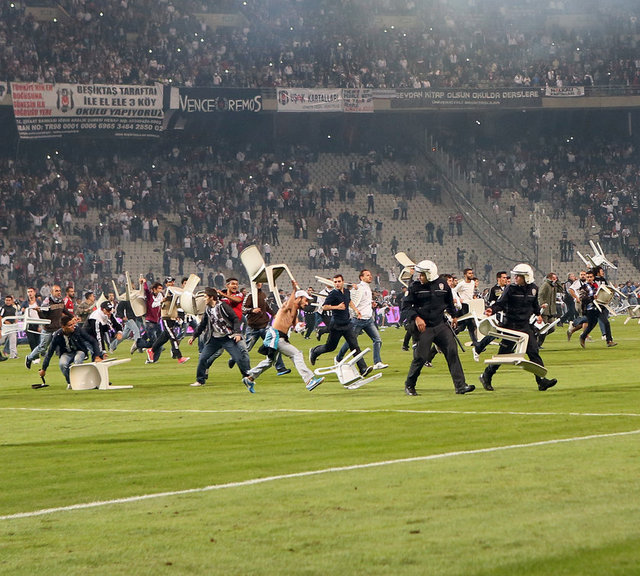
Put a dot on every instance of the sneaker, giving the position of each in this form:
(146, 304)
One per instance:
(569, 334)
(149, 356)
(582, 342)
(184, 359)
(611, 344)
(485, 380)
(231, 363)
(133, 348)
(284, 372)
(367, 371)
(405, 348)
(312, 358)
(314, 382)
(545, 384)
(249, 384)
(476, 356)
(410, 390)
(196, 384)
(380, 366)
(27, 363)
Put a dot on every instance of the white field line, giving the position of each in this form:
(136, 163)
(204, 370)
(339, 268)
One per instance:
(317, 411)
(308, 473)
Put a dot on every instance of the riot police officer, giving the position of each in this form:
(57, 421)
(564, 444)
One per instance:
(519, 302)
(424, 306)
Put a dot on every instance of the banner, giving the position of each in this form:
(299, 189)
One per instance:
(215, 100)
(564, 92)
(457, 98)
(46, 110)
(357, 100)
(309, 100)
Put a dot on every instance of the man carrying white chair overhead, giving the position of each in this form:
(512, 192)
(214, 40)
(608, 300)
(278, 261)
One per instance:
(276, 341)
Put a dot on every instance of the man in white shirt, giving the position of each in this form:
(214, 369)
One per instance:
(465, 290)
(362, 298)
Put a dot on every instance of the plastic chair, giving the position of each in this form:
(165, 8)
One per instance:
(94, 375)
(347, 371)
(20, 324)
(488, 327)
(258, 271)
(191, 302)
(136, 298)
(406, 273)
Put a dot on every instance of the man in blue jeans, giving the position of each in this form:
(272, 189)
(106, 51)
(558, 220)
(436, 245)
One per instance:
(258, 320)
(362, 298)
(338, 302)
(221, 328)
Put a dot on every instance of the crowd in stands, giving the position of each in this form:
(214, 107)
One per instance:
(326, 43)
(204, 204)
(200, 206)
(596, 183)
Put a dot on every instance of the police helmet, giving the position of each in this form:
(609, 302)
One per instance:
(523, 270)
(428, 268)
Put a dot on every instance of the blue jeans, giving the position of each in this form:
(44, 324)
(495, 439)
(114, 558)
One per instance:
(369, 327)
(41, 348)
(66, 360)
(237, 352)
(130, 328)
(252, 337)
(151, 332)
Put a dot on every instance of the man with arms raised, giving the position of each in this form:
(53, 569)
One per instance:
(276, 341)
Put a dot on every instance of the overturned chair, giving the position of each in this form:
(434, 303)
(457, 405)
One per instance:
(347, 371)
(258, 271)
(94, 375)
(488, 327)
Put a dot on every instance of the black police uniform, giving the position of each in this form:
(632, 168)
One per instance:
(429, 301)
(518, 303)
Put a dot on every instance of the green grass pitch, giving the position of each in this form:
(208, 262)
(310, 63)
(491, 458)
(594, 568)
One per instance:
(169, 479)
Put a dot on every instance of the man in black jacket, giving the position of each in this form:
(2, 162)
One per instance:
(73, 345)
(425, 305)
(221, 328)
(502, 279)
(258, 319)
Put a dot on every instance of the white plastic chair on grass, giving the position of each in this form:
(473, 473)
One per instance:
(488, 327)
(347, 371)
(94, 375)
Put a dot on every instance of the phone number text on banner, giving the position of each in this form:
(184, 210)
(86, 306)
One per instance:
(46, 110)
